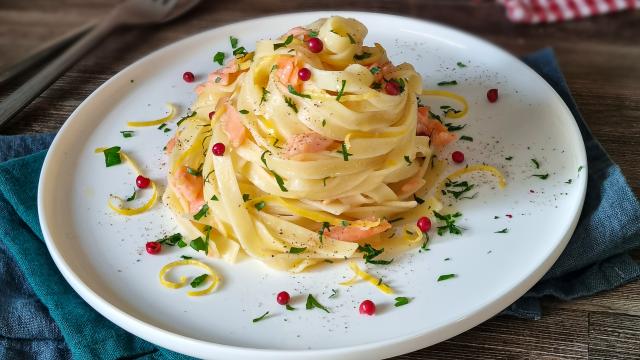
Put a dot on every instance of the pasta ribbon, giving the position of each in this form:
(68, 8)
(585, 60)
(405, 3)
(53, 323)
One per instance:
(172, 113)
(360, 274)
(213, 276)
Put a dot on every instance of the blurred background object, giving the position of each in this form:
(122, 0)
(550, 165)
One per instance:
(550, 11)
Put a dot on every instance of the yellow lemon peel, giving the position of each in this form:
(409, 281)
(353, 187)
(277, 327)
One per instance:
(450, 95)
(215, 279)
(172, 113)
(366, 277)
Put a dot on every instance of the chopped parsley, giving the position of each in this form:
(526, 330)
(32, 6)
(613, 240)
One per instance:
(214, 197)
(112, 156)
(568, 181)
(324, 181)
(265, 93)
(260, 205)
(261, 317)
(202, 213)
(218, 57)
(185, 257)
(449, 223)
(181, 244)
(374, 70)
(424, 247)
(344, 152)
(286, 42)
(399, 82)
(536, 164)
(407, 159)
(364, 55)
(334, 293)
(447, 83)
(280, 181)
(325, 226)
(352, 40)
(509, 158)
(451, 127)
(195, 172)
(193, 113)
(199, 280)
(233, 41)
(246, 197)
(344, 223)
(296, 250)
(293, 91)
(313, 33)
(132, 197)
(313, 303)
(240, 51)
(376, 85)
(457, 188)
(290, 104)
(461, 64)
(580, 168)
(418, 199)
(466, 138)
(434, 116)
(170, 240)
(503, 231)
(166, 130)
(446, 277)
(243, 112)
(401, 300)
(370, 253)
(289, 307)
(324, 122)
(341, 92)
(542, 176)
(264, 160)
(126, 133)
(198, 244)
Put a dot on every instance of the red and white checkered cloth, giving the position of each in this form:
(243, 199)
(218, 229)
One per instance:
(549, 11)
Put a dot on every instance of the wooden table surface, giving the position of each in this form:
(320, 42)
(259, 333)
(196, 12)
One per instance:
(600, 59)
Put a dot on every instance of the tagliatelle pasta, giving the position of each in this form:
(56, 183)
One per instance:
(304, 168)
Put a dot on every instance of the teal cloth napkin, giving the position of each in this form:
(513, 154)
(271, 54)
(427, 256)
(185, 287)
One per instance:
(41, 317)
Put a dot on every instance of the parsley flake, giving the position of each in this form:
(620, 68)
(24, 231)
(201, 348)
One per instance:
(218, 57)
(364, 55)
(447, 83)
(374, 70)
(542, 176)
(243, 112)
(126, 133)
(185, 257)
(446, 277)
(461, 64)
(112, 156)
(296, 250)
(261, 317)
(170, 240)
(313, 303)
(260, 205)
(233, 41)
(291, 104)
(351, 39)
(289, 307)
(370, 253)
(241, 51)
(293, 91)
(509, 158)
(449, 223)
(182, 119)
(417, 199)
(341, 92)
(536, 164)
(202, 213)
(407, 159)
(265, 93)
(401, 300)
(132, 197)
(334, 294)
(198, 244)
(286, 42)
(503, 231)
(466, 138)
(344, 152)
(199, 280)
(325, 226)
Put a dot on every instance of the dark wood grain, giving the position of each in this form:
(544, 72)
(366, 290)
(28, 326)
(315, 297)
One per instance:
(600, 58)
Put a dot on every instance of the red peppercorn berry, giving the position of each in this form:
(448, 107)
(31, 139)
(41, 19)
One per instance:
(188, 76)
(143, 182)
(424, 224)
(392, 88)
(211, 114)
(304, 74)
(457, 156)
(218, 149)
(367, 307)
(153, 247)
(492, 95)
(283, 298)
(315, 45)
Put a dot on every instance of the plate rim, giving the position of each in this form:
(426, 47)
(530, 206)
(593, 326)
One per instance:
(394, 346)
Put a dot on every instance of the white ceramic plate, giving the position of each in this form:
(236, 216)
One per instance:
(102, 255)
